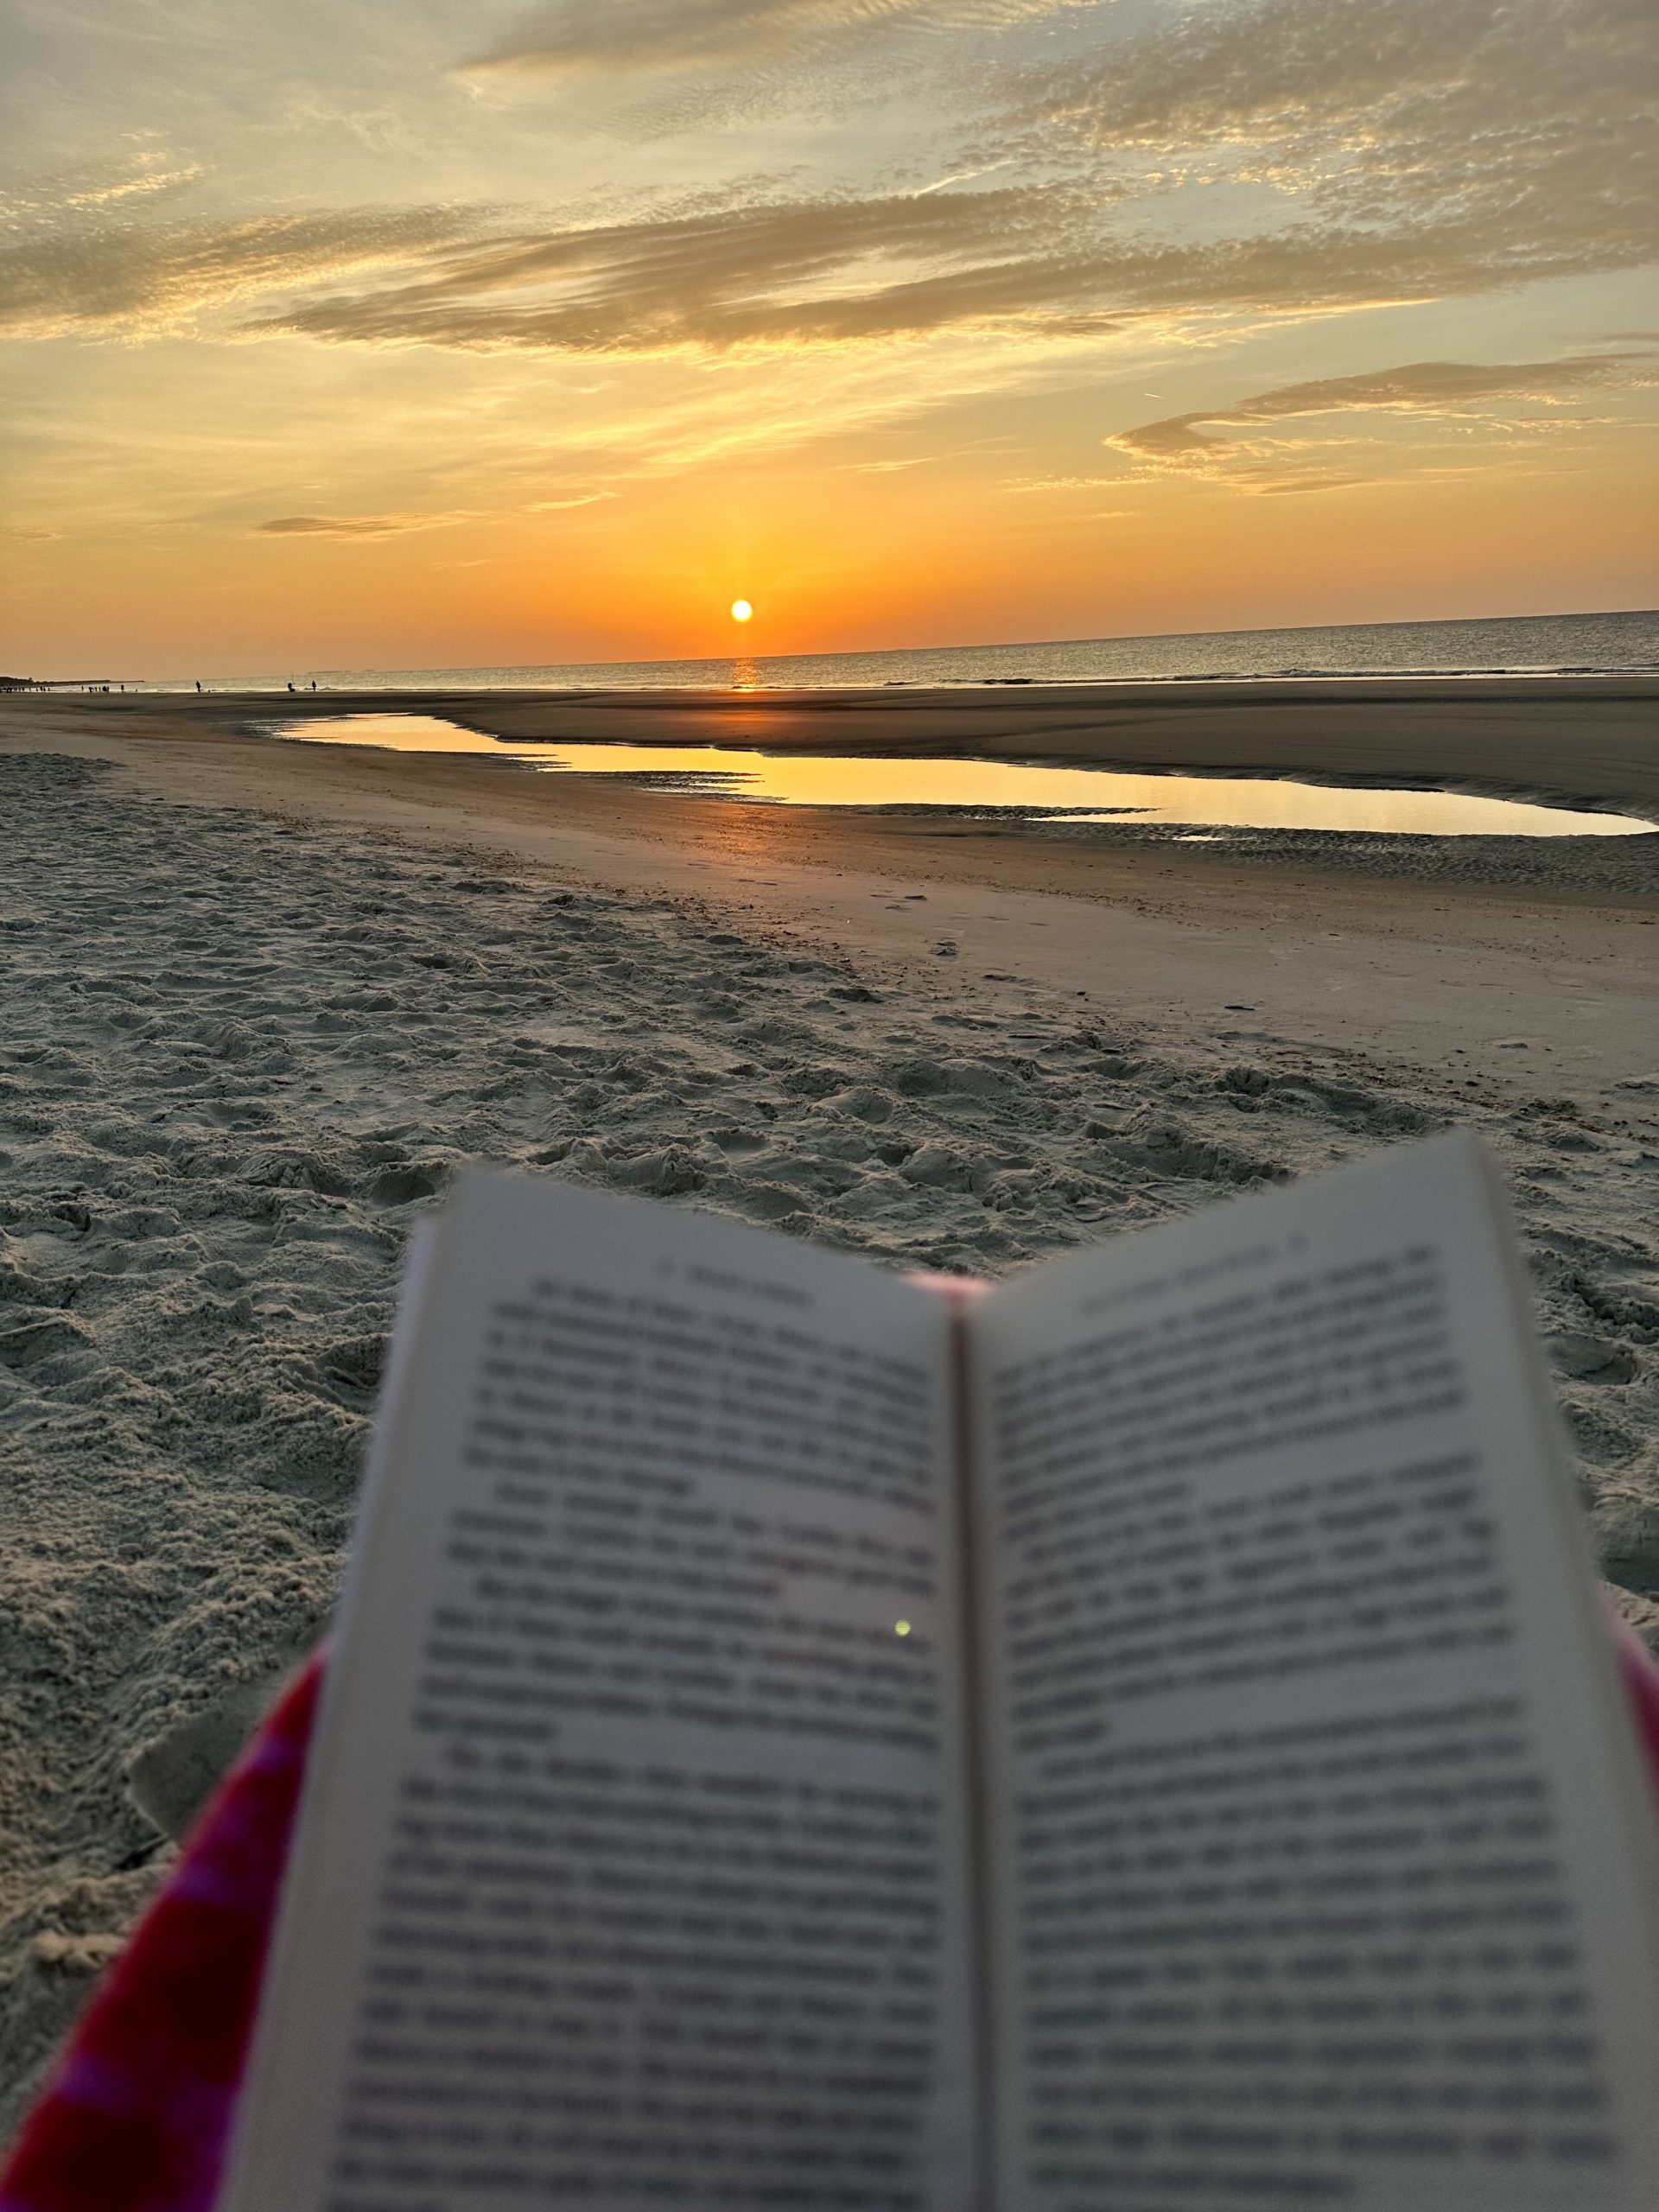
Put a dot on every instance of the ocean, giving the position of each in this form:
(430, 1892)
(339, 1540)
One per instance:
(1531, 644)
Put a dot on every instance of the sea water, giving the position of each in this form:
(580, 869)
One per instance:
(1531, 645)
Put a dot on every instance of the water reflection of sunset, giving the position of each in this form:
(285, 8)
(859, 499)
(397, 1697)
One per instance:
(1080, 795)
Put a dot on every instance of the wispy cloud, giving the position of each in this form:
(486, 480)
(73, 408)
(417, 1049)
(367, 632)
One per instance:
(1435, 146)
(815, 272)
(1198, 441)
(143, 186)
(1073, 483)
(1425, 150)
(350, 525)
(649, 37)
(799, 272)
(137, 279)
(141, 172)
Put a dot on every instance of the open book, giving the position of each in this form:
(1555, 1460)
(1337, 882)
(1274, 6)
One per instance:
(1143, 1739)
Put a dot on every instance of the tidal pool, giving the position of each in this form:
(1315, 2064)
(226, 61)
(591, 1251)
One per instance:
(1072, 795)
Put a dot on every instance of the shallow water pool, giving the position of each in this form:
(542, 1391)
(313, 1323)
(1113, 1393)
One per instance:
(1076, 795)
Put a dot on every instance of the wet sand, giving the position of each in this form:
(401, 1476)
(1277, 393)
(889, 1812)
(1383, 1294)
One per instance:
(1579, 738)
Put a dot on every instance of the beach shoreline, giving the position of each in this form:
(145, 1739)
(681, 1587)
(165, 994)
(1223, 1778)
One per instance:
(1427, 947)
(1567, 739)
(1587, 745)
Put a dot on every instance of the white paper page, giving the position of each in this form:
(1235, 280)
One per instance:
(1323, 1870)
(631, 1870)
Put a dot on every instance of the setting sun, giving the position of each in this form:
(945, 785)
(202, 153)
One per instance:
(741, 610)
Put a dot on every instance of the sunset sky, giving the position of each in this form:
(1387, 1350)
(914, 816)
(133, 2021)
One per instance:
(444, 333)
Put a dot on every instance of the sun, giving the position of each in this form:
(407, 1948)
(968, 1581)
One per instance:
(741, 610)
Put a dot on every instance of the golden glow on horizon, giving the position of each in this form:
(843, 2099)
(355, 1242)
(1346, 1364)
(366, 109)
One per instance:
(885, 562)
(741, 610)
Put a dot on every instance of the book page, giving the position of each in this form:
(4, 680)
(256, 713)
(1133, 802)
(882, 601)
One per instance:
(1323, 1872)
(632, 1867)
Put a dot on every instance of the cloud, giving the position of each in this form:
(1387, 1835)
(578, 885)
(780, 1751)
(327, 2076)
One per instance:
(830, 271)
(144, 173)
(143, 278)
(710, 278)
(639, 37)
(1438, 146)
(1420, 151)
(1071, 483)
(1422, 389)
(1424, 150)
(142, 186)
(349, 525)
(393, 525)
(801, 272)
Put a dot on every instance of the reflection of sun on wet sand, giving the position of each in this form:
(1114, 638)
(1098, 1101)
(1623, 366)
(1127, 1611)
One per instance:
(257, 1000)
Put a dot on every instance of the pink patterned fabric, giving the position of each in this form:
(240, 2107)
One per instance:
(1640, 1673)
(136, 2117)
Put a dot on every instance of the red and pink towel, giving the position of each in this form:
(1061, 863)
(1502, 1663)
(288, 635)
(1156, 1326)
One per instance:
(136, 2117)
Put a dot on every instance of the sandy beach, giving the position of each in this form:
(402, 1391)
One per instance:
(261, 1000)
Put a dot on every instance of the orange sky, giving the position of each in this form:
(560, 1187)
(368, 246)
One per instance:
(544, 337)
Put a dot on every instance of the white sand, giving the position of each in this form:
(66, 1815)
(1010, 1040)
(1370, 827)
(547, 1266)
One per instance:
(238, 1055)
